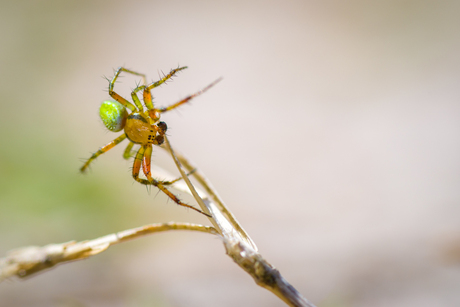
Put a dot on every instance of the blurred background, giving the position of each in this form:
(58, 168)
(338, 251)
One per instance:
(334, 137)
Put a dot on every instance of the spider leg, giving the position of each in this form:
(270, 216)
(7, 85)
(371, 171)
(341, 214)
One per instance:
(103, 150)
(146, 167)
(165, 78)
(186, 99)
(128, 154)
(177, 179)
(122, 100)
(147, 96)
(118, 72)
(136, 101)
(143, 157)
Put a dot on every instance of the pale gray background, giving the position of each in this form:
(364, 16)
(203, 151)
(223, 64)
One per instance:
(334, 137)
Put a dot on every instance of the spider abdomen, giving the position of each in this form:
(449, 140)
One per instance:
(113, 115)
(138, 129)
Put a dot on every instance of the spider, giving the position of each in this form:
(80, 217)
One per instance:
(140, 127)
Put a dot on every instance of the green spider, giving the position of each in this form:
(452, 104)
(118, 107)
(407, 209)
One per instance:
(140, 127)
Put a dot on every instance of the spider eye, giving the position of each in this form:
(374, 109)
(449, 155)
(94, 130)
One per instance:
(113, 115)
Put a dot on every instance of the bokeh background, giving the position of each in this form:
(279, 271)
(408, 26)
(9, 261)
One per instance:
(334, 138)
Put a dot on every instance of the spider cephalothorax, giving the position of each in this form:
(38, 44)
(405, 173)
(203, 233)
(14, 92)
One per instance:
(140, 127)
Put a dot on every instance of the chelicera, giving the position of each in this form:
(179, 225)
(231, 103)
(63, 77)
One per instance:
(142, 127)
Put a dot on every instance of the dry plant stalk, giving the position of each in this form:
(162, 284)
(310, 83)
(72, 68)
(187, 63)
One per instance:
(239, 246)
(26, 261)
